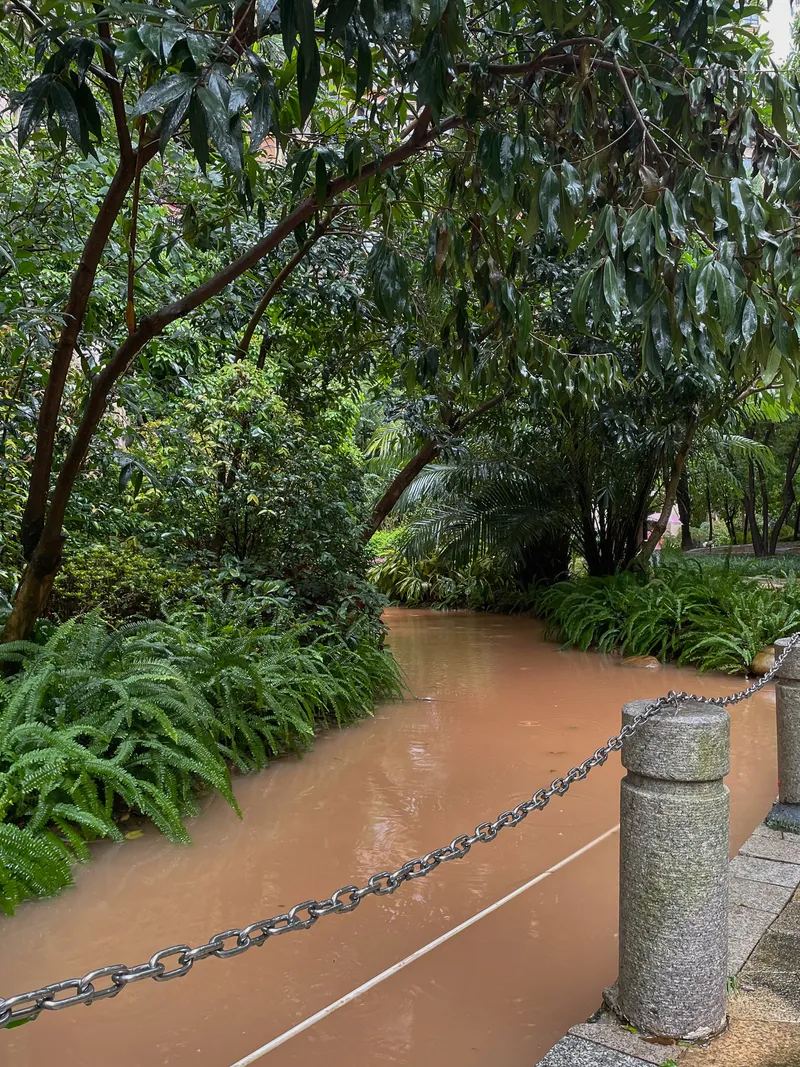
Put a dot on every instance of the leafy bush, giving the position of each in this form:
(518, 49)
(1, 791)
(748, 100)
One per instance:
(97, 722)
(709, 616)
(122, 580)
(238, 475)
(432, 581)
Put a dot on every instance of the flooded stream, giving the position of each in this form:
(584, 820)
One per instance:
(508, 712)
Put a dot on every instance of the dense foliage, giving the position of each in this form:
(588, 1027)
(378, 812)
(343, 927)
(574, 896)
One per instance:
(515, 279)
(100, 723)
(707, 615)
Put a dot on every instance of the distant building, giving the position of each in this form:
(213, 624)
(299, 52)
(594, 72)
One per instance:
(752, 22)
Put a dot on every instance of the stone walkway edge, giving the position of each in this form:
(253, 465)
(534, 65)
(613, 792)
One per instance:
(763, 960)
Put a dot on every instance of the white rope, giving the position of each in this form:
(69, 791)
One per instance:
(354, 994)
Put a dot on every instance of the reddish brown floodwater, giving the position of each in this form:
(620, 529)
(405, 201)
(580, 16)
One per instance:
(509, 713)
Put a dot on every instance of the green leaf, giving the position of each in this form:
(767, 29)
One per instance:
(33, 103)
(261, 120)
(611, 288)
(634, 226)
(321, 180)
(301, 162)
(219, 128)
(363, 66)
(659, 232)
(308, 75)
(749, 321)
(337, 17)
(64, 102)
(150, 36)
(726, 295)
(611, 229)
(674, 216)
(198, 132)
(304, 19)
(705, 278)
(784, 258)
(163, 93)
(580, 298)
(173, 117)
(264, 13)
(772, 366)
(661, 330)
(572, 185)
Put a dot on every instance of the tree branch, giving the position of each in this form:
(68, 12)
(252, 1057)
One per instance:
(648, 137)
(114, 90)
(277, 284)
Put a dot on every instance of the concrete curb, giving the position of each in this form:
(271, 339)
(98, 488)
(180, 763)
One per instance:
(763, 879)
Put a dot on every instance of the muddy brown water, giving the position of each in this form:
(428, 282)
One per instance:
(510, 711)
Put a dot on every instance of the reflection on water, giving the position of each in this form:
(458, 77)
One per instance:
(508, 712)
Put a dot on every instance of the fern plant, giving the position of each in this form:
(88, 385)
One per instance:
(95, 723)
(709, 617)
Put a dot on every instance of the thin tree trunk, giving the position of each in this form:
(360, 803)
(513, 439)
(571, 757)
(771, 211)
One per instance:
(274, 287)
(684, 501)
(427, 453)
(708, 509)
(670, 493)
(788, 496)
(750, 511)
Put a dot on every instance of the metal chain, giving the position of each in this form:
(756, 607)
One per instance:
(228, 943)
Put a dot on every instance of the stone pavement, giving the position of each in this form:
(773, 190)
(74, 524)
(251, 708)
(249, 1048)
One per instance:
(764, 958)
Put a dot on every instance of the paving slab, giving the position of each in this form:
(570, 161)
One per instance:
(746, 928)
(760, 870)
(575, 1052)
(763, 896)
(607, 1031)
(773, 845)
(775, 952)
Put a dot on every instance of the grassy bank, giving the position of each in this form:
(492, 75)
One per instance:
(708, 614)
(98, 722)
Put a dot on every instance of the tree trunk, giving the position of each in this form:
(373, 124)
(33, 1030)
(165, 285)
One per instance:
(275, 286)
(401, 482)
(708, 509)
(788, 496)
(759, 548)
(33, 592)
(670, 494)
(684, 501)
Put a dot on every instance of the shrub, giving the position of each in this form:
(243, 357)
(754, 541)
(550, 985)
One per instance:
(96, 722)
(479, 586)
(121, 580)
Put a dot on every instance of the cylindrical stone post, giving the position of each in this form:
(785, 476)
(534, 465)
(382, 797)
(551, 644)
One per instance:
(786, 813)
(675, 828)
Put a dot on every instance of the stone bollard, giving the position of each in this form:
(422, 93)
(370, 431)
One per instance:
(786, 813)
(674, 841)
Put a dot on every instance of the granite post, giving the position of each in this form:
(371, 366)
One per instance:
(786, 813)
(674, 841)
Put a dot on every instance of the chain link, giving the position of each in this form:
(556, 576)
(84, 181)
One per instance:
(181, 958)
